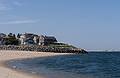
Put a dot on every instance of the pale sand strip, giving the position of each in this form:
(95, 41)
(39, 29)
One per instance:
(9, 55)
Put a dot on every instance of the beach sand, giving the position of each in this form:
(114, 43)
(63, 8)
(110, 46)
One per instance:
(6, 72)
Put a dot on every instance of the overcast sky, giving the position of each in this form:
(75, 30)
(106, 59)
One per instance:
(89, 24)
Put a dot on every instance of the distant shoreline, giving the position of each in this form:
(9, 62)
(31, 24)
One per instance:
(104, 51)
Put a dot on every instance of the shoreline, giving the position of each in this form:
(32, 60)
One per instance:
(6, 55)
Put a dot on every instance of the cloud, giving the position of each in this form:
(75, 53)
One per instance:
(19, 22)
(8, 5)
(4, 7)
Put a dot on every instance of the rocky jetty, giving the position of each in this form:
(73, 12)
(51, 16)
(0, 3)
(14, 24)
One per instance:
(37, 48)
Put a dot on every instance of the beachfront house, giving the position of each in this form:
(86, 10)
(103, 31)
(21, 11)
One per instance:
(49, 40)
(41, 40)
(33, 39)
(28, 39)
(45, 40)
(2, 36)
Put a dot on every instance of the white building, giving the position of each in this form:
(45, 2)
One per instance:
(28, 38)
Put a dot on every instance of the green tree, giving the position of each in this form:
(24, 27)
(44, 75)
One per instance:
(11, 41)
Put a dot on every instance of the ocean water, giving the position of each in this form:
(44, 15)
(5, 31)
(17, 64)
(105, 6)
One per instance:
(91, 65)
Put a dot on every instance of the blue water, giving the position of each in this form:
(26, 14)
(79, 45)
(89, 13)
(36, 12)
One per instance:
(93, 64)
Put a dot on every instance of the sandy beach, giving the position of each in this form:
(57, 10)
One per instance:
(6, 72)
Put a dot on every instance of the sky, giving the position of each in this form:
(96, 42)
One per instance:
(88, 24)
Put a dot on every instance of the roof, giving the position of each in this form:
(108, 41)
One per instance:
(2, 35)
(29, 35)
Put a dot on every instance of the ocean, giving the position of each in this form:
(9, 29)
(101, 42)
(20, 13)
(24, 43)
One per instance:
(91, 65)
